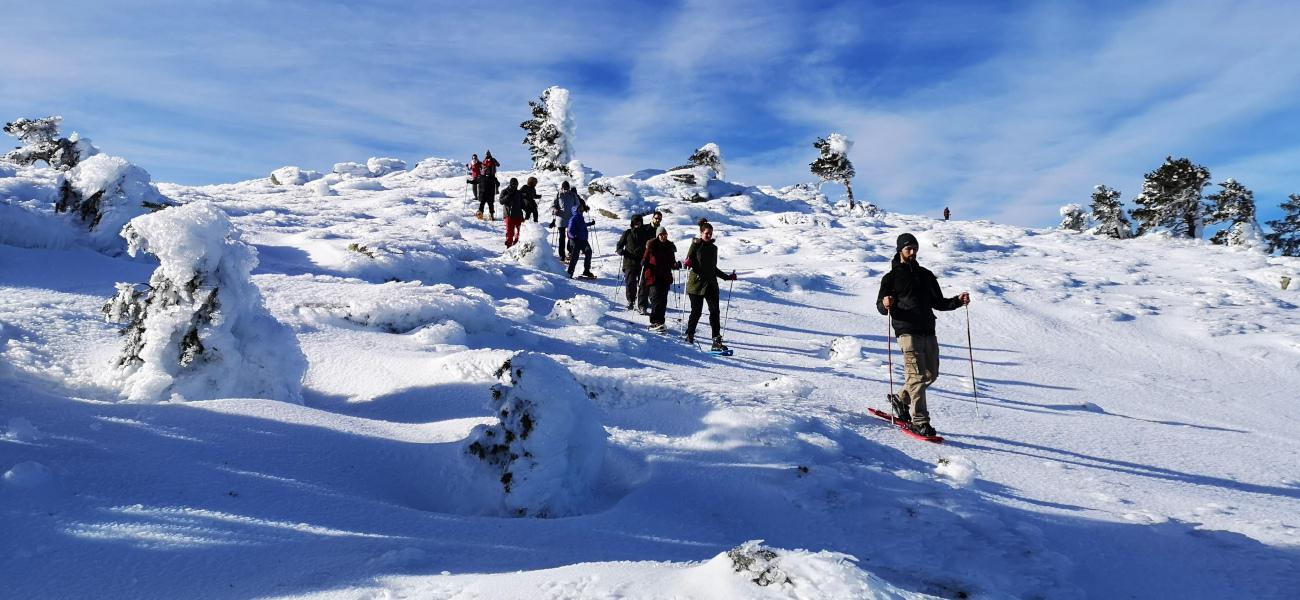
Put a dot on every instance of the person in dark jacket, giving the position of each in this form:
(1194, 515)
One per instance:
(577, 231)
(530, 195)
(512, 205)
(657, 265)
(487, 193)
(702, 284)
(909, 293)
(631, 246)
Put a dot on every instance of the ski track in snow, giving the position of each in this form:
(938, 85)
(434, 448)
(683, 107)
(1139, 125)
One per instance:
(1133, 436)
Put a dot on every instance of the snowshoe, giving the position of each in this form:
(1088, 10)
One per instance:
(720, 349)
(901, 410)
(587, 275)
(659, 328)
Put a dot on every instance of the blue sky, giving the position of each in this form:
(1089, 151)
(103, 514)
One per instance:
(1001, 110)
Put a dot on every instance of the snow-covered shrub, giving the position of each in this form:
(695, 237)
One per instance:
(438, 168)
(320, 187)
(710, 155)
(379, 166)
(351, 169)
(105, 192)
(1234, 204)
(199, 329)
(400, 307)
(42, 143)
(844, 349)
(1073, 218)
(548, 446)
(833, 164)
(534, 249)
(549, 134)
(379, 261)
(958, 471)
(757, 563)
(581, 309)
(1108, 214)
(293, 176)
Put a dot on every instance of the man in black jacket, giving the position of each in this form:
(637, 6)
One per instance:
(908, 293)
(631, 246)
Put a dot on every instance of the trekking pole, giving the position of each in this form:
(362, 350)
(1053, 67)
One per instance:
(971, 352)
(889, 348)
(727, 314)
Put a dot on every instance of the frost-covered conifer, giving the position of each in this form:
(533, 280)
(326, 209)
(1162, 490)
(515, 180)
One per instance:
(1073, 218)
(833, 164)
(548, 446)
(199, 329)
(1108, 214)
(1171, 199)
(1285, 237)
(105, 192)
(1234, 204)
(710, 155)
(549, 134)
(42, 143)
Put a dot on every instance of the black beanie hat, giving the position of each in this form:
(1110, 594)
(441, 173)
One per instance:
(906, 239)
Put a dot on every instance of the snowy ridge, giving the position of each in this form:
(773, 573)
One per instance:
(1134, 433)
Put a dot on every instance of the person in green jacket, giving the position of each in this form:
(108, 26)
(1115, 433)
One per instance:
(702, 284)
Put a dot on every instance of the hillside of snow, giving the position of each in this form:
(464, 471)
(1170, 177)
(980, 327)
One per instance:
(1133, 435)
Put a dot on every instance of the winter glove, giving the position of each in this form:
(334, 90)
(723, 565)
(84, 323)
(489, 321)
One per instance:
(591, 222)
(687, 263)
(732, 276)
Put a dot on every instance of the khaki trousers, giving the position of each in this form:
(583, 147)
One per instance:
(921, 363)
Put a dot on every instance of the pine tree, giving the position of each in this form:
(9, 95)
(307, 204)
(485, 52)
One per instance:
(1171, 198)
(1108, 213)
(1285, 237)
(833, 164)
(43, 143)
(1073, 218)
(1233, 204)
(549, 134)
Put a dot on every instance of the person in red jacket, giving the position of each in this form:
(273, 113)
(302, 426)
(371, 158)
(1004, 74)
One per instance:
(475, 169)
(658, 263)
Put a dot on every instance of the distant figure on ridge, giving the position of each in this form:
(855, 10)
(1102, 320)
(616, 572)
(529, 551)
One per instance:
(488, 184)
(475, 171)
(908, 293)
(946, 213)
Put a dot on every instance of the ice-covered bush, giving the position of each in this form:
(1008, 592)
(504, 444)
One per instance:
(581, 309)
(379, 166)
(833, 163)
(710, 155)
(438, 168)
(293, 176)
(105, 192)
(548, 446)
(199, 329)
(41, 142)
(351, 169)
(1073, 218)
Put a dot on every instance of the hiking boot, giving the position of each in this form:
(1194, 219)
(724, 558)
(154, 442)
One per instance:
(478, 215)
(658, 328)
(588, 275)
(923, 429)
(690, 338)
(631, 306)
(718, 346)
(900, 408)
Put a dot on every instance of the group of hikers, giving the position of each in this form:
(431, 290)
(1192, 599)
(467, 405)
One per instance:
(909, 293)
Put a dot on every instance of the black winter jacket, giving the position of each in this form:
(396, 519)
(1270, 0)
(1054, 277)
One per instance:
(512, 200)
(531, 197)
(659, 261)
(631, 246)
(916, 292)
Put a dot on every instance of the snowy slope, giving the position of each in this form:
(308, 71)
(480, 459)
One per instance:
(1134, 433)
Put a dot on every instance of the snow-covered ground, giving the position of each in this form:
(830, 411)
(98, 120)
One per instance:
(1134, 434)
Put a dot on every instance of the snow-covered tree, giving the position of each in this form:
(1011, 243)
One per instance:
(42, 143)
(1108, 214)
(548, 445)
(549, 134)
(1073, 218)
(1234, 204)
(199, 329)
(1285, 237)
(833, 164)
(105, 192)
(710, 155)
(1171, 199)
